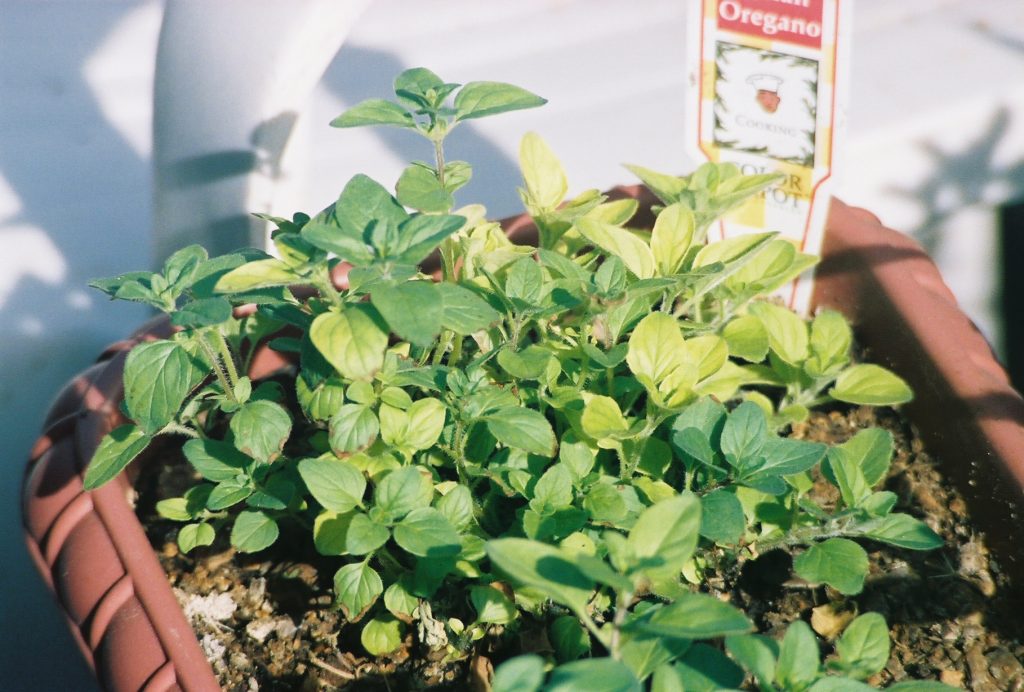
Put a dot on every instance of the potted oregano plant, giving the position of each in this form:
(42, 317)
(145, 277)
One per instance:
(537, 458)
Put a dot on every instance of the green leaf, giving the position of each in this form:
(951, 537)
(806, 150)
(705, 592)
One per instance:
(215, 460)
(357, 587)
(524, 283)
(480, 99)
(115, 451)
(180, 267)
(421, 234)
(872, 385)
(706, 669)
(261, 428)
(382, 635)
(787, 332)
(553, 490)
(543, 567)
(799, 662)
(604, 674)
(335, 483)
(568, 638)
(671, 238)
(262, 273)
(519, 674)
(174, 508)
(657, 356)
(417, 81)
(757, 653)
(491, 605)
(156, 382)
(464, 312)
(667, 532)
(905, 531)
(546, 184)
(830, 343)
(529, 364)
(633, 252)
(693, 616)
(668, 188)
(838, 562)
(191, 536)
(522, 428)
(365, 215)
(842, 469)
(605, 503)
(253, 531)
(204, 312)
(229, 493)
(722, 520)
(457, 507)
(374, 112)
(864, 646)
(402, 491)
(745, 433)
(353, 428)
(412, 310)
(747, 338)
(398, 598)
(731, 249)
(419, 188)
(872, 449)
(920, 686)
(426, 533)
(602, 419)
(837, 684)
(645, 653)
(353, 341)
(785, 457)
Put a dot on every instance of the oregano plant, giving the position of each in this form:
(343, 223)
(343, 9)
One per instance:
(570, 433)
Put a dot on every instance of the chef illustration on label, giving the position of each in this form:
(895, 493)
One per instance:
(767, 86)
(758, 111)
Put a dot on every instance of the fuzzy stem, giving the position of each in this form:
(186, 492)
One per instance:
(225, 384)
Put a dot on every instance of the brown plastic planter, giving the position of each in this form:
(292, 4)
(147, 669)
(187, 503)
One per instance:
(92, 551)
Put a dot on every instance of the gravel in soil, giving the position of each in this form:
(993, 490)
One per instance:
(267, 622)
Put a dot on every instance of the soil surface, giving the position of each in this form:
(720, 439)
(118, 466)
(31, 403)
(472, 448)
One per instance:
(267, 622)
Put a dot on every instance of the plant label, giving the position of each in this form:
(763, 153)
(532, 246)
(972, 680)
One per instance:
(767, 92)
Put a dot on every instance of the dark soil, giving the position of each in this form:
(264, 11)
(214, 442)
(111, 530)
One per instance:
(267, 622)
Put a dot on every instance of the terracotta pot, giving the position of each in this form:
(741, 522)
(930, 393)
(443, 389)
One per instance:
(94, 554)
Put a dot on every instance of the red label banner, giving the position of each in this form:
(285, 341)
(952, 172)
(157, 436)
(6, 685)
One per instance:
(793, 21)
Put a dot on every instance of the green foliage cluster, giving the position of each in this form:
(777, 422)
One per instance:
(570, 432)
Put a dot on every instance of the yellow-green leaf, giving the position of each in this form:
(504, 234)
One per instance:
(672, 237)
(621, 243)
(352, 340)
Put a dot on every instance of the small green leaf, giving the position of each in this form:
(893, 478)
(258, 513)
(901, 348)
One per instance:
(357, 587)
(382, 635)
(872, 385)
(657, 356)
(546, 184)
(905, 531)
(204, 312)
(529, 364)
(619, 242)
(604, 674)
(335, 483)
(722, 519)
(419, 188)
(412, 310)
(830, 343)
(603, 420)
(668, 188)
(667, 532)
(671, 238)
(745, 432)
(605, 503)
(842, 469)
(353, 341)
(519, 674)
(522, 428)
(426, 533)
(402, 491)
(480, 99)
(864, 646)
(457, 507)
(464, 312)
(421, 234)
(787, 332)
(568, 638)
(492, 606)
(543, 567)
(872, 449)
(156, 382)
(799, 661)
(398, 598)
(262, 273)
(174, 508)
(374, 112)
(757, 653)
(115, 451)
(553, 490)
(261, 428)
(417, 81)
(704, 668)
(253, 531)
(191, 536)
(693, 616)
(747, 338)
(426, 421)
(215, 460)
(353, 428)
(838, 562)
(228, 493)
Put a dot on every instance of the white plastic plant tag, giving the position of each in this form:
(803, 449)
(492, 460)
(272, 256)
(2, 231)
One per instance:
(767, 92)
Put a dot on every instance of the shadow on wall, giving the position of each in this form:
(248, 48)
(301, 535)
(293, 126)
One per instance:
(360, 73)
(82, 195)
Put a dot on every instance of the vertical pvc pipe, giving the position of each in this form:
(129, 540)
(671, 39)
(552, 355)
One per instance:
(231, 79)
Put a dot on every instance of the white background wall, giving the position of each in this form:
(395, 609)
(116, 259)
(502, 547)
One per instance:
(936, 139)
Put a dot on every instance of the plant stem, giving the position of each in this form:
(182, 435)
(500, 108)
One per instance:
(180, 429)
(439, 159)
(225, 384)
(227, 357)
(625, 599)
